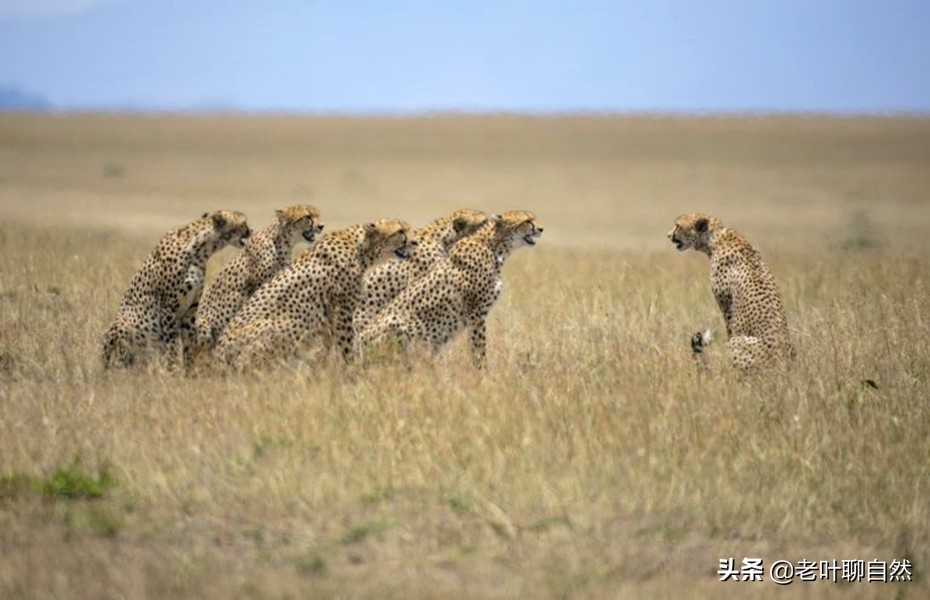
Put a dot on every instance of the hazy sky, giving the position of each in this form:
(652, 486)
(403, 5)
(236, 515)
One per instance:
(343, 55)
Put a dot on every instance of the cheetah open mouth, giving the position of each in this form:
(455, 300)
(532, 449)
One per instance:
(309, 235)
(529, 239)
(403, 251)
(679, 245)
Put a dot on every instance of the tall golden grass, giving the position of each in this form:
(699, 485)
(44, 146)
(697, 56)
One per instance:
(589, 460)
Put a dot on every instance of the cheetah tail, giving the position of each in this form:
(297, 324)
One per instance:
(701, 340)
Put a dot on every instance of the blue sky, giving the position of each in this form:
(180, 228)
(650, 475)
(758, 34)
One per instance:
(521, 55)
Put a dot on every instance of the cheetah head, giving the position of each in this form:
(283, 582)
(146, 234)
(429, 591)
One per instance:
(230, 226)
(301, 220)
(518, 227)
(466, 221)
(693, 231)
(389, 237)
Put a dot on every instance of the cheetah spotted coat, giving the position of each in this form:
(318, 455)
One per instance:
(745, 290)
(265, 254)
(382, 283)
(158, 309)
(458, 292)
(315, 295)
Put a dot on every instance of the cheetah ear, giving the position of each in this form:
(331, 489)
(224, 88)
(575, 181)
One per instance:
(701, 225)
(219, 221)
(459, 224)
(282, 218)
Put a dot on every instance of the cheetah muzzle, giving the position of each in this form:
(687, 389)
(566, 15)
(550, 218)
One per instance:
(404, 251)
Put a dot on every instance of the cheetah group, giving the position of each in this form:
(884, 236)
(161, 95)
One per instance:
(383, 285)
(352, 290)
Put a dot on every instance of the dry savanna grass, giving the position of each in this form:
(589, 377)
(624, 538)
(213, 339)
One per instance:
(589, 460)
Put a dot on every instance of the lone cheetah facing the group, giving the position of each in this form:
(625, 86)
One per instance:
(157, 311)
(382, 283)
(265, 254)
(316, 295)
(745, 290)
(458, 292)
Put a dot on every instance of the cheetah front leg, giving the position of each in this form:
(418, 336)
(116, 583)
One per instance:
(159, 315)
(168, 344)
(188, 336)
(343, 331)
(478, 337)
(122, 345)
(188, 303)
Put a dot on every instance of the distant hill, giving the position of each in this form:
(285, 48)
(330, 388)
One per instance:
(13, 98)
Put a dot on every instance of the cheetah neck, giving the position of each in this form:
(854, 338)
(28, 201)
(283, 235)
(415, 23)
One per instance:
(500, 247)
(203, 241)
(282, 241)
(368, 256)
(480, 254)
(727, 241)
(714, 240)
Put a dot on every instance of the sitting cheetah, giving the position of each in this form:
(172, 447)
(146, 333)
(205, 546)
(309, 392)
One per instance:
(162, 296)
(316, 294)
(266, 253)
(458, 291)
(745, 291)
(382, 283)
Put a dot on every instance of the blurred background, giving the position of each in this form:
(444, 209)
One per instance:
(139, 114)
(416, 56)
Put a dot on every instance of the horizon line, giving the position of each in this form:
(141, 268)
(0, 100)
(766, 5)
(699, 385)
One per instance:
(466, 112)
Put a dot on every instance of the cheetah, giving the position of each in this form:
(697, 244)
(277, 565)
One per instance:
(266, 253)
(458, 292)
(382, 283)
(745, 290)
(162, 296)
(316, 294)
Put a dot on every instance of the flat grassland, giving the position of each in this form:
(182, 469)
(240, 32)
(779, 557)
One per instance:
(589, 460)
